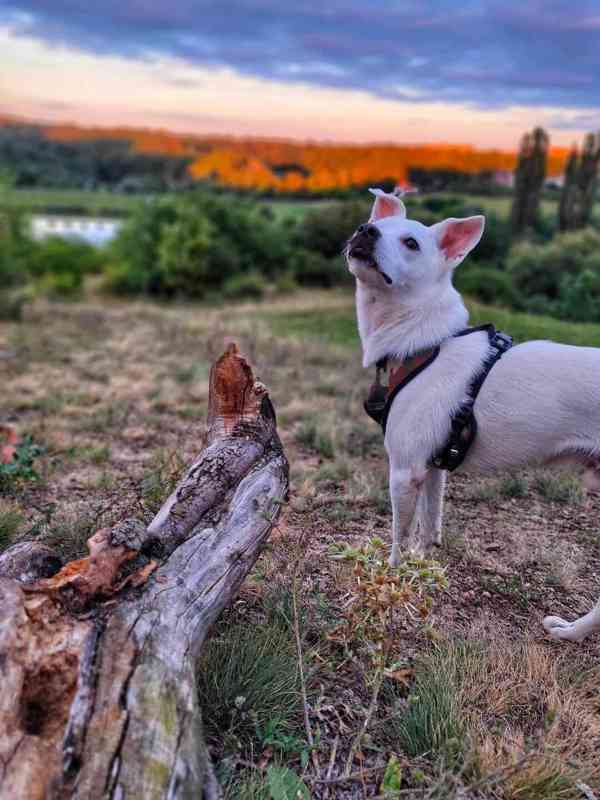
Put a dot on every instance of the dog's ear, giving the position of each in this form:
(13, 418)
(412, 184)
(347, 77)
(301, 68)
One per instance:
(457, 237)
(386, 205)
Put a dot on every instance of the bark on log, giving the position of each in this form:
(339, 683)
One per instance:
(98, 692)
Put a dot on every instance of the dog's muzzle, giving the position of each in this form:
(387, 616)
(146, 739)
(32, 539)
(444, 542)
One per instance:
(362, 244)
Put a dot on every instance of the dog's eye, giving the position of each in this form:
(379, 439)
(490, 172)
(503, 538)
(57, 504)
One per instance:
(411, 243)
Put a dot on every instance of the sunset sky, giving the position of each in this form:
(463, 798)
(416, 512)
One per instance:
(389, 70)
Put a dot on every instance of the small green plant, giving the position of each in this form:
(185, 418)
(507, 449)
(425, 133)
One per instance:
(160, 480)
(248, 682)
(383, 601)
(310, 435)
(10, 522)
(21, 468)
(432, 724)
(513, 486)
(558, 487)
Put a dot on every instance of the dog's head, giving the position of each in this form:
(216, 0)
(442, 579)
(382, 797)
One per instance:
(392, 252)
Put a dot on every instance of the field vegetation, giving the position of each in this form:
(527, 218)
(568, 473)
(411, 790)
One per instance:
(331, 676)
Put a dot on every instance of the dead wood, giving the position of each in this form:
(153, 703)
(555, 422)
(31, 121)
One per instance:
(98, 659)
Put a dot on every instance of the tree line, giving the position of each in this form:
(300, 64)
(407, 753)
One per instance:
(579, 185)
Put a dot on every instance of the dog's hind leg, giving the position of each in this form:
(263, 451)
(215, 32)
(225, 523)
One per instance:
(406, 485)
(435, 484)
(577, 630)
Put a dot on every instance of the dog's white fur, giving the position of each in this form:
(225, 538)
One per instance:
(540, 404)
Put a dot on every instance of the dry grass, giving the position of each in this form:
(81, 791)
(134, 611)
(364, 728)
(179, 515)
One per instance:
(117, 394)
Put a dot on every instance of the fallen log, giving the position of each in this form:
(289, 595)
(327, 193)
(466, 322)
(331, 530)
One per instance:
(98, 691)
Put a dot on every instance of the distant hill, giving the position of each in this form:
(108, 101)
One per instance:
(292, 166)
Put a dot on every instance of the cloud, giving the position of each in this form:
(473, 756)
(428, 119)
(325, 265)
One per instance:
(576, 122)
(486, 53)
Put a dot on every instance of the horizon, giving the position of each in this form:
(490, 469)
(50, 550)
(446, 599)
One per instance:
(309, 74)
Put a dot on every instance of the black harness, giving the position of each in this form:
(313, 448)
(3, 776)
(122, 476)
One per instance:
(464, 424)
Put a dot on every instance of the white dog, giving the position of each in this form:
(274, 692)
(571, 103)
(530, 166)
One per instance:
(540, 403)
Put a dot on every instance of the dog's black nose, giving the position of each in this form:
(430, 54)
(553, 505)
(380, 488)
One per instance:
(370, 230)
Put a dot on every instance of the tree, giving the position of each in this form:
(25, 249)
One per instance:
(530, 175)
(581, 183)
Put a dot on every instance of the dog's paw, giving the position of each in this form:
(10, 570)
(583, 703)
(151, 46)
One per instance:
(559, 628)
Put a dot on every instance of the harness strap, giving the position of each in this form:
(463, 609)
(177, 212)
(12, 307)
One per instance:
(463, 429)
(381, 396)
(463, 424)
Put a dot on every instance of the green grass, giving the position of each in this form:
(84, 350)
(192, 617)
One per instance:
(10, 522)
(68, 200)
(293, 209)
(559, 487)
(432, 724)
(248, 682)
(338, 325)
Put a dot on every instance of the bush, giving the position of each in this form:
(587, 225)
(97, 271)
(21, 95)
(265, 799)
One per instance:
(14, 247)
(313, 269)
(326, 229)
(580, 296)
(193, 244)
(249, 286)
(486, 284)
(561, 277)
(57, 267)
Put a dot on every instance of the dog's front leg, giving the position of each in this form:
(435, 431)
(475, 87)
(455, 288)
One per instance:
(577, 630)
(406, 484)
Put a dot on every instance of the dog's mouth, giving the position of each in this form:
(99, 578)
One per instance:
(362, 254)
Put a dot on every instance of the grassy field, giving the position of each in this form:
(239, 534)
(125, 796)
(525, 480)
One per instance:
(102, 202)
(446, 688)
(338, 325)
(65, 200)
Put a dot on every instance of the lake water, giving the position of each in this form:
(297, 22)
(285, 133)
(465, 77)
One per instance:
(94, 230)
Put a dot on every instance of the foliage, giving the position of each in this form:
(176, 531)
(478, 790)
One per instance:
(194, 244)
(486, 284)
(249, 286)
(21, 468)
(10, 522)
(558, 276)
(56, 267)
(284, 784)
(35, 159)
(529, 180)
(559, 487)
(326, 230)
(381, 596)
(432, 723)
(579, 191)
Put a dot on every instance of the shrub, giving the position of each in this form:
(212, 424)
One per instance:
(326, 229)
(313, 269)
(286, 283)
(487, 284)
(580, 295)
(134, 264)
(21, 468)
(248, 286)
(540, 270)
(14, 247)
(193, 244)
